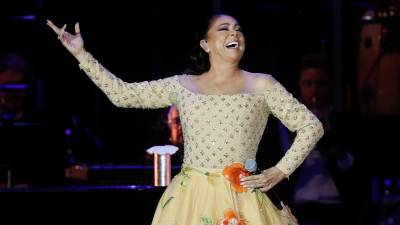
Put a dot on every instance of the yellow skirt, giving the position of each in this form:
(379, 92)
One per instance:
(203, 196)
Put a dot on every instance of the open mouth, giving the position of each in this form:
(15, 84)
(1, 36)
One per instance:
(232, 45)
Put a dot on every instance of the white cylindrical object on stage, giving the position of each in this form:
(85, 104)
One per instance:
(162, 163)
(162, 169)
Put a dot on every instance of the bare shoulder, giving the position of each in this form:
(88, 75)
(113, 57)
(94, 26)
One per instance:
(260, 82)
(187, 81)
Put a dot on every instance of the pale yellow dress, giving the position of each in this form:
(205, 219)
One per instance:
(218, 131)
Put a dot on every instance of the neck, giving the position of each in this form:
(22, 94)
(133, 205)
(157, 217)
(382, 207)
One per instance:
(221, 72)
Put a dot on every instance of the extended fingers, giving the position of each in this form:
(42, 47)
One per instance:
(265, 181)
(255, 181)
(250, 181)
(250, 178)
(62, 31)
(54, 27)
(77, 29)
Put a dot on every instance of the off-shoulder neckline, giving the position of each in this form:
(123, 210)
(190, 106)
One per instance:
(216, 95)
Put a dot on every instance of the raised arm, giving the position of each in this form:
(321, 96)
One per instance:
(153, 94)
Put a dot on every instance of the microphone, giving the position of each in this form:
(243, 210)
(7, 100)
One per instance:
(251, 166)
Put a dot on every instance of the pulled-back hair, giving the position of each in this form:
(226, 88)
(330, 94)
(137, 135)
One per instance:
(199, 61)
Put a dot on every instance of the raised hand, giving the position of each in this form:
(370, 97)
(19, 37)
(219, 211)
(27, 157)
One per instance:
(73, 43)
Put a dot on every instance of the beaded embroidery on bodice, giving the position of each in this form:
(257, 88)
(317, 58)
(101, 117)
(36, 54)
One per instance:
(220, 129)
(217, 129)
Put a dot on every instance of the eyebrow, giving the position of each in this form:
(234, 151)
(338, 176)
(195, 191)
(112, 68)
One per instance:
(227, 24)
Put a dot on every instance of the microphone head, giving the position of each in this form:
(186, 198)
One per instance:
(250, 165)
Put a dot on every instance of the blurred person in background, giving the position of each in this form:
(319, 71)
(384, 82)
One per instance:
(320, 182)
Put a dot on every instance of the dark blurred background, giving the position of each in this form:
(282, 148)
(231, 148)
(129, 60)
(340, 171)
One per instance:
(69, 121)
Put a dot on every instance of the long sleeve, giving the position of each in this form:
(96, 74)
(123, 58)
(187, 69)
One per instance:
(154, 94)
(297, 118)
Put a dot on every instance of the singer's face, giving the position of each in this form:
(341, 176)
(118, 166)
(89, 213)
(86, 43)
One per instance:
(224, 39)
(314, 87)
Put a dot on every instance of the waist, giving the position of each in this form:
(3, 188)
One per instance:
(201, 171)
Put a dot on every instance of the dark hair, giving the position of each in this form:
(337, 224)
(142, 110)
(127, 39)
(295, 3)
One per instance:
(198, 59)
(13, 61)
(315, 60)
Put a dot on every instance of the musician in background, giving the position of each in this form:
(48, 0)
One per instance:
(31, 150)
(13, 93)
(14, 85)
(168, 131)
(318, 187)
(175, 133)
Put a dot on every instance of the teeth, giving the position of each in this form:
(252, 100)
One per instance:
(233, 44)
